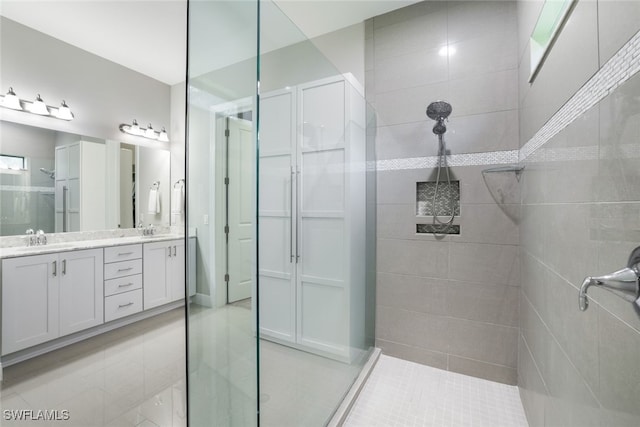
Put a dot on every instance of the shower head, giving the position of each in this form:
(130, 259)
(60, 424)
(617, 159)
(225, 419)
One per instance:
(51, 173)
(439, 111)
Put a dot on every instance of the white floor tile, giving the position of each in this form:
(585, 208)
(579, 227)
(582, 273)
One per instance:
(402, 393)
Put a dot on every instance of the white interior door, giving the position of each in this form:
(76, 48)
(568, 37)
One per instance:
(240, 205)
(276, 240)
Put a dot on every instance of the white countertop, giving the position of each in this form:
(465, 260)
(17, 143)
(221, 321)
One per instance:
(18, 251)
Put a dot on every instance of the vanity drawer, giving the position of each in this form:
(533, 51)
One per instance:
(121, 305)
(122, 284)
(122, 253)
(121, 269)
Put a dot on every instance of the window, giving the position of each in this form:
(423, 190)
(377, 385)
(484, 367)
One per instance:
(552, 17)
(8, 162)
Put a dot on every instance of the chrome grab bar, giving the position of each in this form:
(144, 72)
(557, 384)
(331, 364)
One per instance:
(624, 283)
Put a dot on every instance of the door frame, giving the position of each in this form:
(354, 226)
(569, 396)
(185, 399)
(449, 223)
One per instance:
(218, 205)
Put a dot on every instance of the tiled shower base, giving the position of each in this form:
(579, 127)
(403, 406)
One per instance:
(402, 393)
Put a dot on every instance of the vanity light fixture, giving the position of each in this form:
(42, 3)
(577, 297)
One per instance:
(11, 100)
(39, 107)
(148, 132)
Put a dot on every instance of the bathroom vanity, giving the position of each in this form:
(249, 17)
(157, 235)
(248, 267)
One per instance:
(57, 294)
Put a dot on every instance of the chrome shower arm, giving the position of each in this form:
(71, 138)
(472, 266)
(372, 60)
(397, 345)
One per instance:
(624, 283)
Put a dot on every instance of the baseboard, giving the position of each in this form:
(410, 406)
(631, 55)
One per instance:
(203, 300)
(340, 416)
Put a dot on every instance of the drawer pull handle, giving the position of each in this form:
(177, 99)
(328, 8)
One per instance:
(125, 269)
(124, 285)
(125, 305)
(124, 253)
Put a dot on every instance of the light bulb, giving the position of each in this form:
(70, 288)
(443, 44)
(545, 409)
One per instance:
(134, 129)
(11, 100)
(163, 136)
(150, 133)
(39, 107)
(64, 112)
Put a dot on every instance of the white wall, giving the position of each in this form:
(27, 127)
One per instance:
(344, 49)
(19, 140)
(153, 165)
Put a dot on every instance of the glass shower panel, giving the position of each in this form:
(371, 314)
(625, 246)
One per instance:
(222, 346)
(315, 280)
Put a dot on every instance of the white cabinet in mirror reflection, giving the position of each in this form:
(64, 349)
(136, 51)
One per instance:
(312, 216)
(80, 186)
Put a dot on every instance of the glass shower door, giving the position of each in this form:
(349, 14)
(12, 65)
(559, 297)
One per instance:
(222, 346)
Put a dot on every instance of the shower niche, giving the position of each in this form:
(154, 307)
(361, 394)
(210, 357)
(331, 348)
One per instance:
(312, 217)
(439, 201)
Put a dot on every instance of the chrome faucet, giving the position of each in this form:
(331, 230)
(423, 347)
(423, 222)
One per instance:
(36, 238)
(149, 230)
(41, 238)
(624, 283)
(31, 237)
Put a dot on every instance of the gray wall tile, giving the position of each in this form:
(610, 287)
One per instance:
(533, 393)
(617, 23)
(418, 258)
(483, 341)
(484, 263)
(485, 303)
(413, 354)
(579, 218)
(488, 371)
(575, 331)
(619, 367)
(417, 289)
(489, 223)
(422, 330)
(412, 293)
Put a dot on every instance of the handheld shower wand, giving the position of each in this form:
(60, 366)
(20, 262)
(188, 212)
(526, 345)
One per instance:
(440, 111)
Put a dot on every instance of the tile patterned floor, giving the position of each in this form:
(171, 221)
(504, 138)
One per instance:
(402, 393)
(132, 376)
(135, 376)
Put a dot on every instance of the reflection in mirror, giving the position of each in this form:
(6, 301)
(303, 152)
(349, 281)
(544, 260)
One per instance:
(60, 182)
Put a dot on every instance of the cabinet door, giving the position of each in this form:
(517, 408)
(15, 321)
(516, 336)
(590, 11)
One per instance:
(62, 163)
(155, 266)
(322, 286)
(177, 270)
(29, 301)
(276, 242)
(81, 290)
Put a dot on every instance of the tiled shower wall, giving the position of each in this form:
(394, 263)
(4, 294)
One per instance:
(580, 217)
(450, 302)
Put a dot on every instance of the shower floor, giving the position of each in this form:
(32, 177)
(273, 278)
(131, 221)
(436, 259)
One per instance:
(402, 393)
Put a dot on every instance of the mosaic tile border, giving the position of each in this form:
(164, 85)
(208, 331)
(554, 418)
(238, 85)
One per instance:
(620, 68)
(469, 159)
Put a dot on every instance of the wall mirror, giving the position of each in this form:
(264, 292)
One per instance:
(84, 174)
(61, 182)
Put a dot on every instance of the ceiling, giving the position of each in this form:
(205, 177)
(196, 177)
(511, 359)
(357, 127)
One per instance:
(149, 36)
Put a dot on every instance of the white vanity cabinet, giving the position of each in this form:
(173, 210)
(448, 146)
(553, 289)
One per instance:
(48, 296)
(122, 281)
(163, 272)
